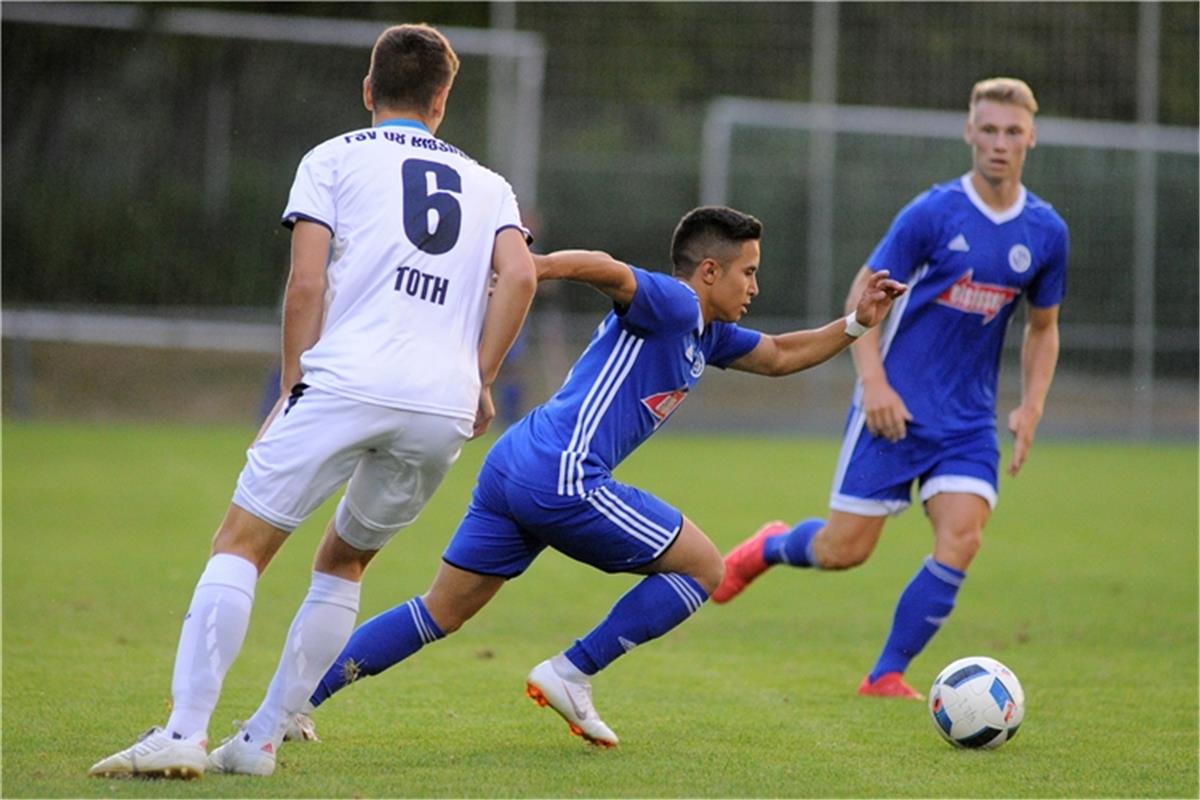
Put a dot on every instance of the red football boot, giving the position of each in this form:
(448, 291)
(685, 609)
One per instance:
(889, 684)
(745, 562)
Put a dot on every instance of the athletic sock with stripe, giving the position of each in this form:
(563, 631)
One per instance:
(319, 630)
(385, 639)
(923, 607)
(652, 607)
(794, 547)
(211, 639)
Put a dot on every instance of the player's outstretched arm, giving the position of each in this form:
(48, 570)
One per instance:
(786, 353)
(1039, 357)
(513, 286)
(597, 269)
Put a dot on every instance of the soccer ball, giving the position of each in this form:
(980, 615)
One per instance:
(977, 702)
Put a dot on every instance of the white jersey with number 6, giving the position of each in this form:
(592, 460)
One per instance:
(414, 221)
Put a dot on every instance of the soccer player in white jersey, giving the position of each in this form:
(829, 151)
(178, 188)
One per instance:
(924, 408)
(548, 481)
(390, 347)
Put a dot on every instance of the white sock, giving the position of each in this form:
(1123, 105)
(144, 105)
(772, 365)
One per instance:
(319, 631)
(568, 671)
(211, 639)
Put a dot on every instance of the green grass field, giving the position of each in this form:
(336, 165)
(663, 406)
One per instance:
(1086, 588)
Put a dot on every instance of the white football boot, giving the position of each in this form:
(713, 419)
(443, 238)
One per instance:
(240, 755)
(572, 700)
(156, 754)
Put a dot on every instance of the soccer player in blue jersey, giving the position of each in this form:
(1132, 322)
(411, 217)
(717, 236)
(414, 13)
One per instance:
(924, 408)
(548, 481)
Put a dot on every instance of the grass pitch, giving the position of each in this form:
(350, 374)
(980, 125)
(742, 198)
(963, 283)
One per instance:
(1086, 588)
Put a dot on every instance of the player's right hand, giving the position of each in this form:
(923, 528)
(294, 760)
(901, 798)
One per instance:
(876, 298)
(887, 416)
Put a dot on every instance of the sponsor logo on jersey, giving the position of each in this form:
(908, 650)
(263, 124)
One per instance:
(661, 404)
(1019, 258)
(959, 244)
(986, 299)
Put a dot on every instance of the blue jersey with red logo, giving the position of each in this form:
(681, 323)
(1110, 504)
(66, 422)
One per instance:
(966, 265)
(639, 366)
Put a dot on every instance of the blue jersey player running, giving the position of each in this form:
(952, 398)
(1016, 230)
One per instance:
(924, 408)
(548, 481)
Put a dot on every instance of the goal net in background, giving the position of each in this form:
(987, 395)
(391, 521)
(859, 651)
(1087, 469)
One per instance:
(162, 141)
(148, 149)
(1105, 178)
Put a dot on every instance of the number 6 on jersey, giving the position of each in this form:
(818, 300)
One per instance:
(432, 218)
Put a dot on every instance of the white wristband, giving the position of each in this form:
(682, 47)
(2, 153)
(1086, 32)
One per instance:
(854, 328)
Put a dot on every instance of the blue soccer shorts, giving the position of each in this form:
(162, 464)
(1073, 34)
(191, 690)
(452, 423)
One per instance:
(874, 477)
(614, 527)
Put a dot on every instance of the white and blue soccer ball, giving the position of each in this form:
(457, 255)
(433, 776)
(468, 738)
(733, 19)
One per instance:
(977, 702)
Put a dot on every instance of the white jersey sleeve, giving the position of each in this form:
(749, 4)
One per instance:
(510, 215)
(414, 222)
(311, 197)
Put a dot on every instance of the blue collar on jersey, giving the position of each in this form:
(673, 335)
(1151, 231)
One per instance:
(404, 123)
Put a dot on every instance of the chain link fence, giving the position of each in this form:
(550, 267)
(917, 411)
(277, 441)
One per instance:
(147, 156)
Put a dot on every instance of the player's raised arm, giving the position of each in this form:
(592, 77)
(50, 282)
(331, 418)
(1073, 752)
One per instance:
(597, 269)
(786, 353)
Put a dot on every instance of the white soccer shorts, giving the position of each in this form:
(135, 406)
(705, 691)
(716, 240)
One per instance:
(394, 461)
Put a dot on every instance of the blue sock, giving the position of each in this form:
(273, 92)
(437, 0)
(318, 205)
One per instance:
(794, 547)
(652, 607)
(377, 644)
(923, 607)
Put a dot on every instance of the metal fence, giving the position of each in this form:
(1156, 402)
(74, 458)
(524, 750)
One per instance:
(148, 148)
(1128, 331)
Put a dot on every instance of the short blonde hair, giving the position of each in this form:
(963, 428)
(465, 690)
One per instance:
(1005, 90)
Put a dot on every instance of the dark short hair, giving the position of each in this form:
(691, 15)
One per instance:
(409, 65)
(710, 232)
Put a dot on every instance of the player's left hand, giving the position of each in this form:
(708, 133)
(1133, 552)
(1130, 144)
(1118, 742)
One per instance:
(876, 298)
(485, 413)
(1023, 423)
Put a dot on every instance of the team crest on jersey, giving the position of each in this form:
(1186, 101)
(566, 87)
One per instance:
(661, 404)
(986, 299)
(1019, 258)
